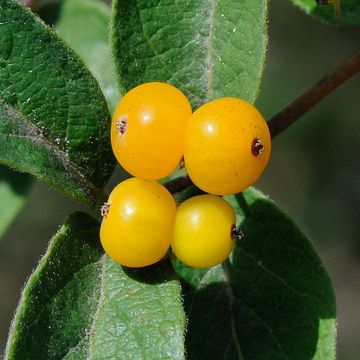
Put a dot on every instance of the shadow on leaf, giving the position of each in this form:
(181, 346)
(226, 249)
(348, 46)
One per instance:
(154, 274)
(272, 300)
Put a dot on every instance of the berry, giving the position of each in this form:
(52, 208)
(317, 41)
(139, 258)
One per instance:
(203, 231)
(147, 131)
(227, 146)
(137, 223)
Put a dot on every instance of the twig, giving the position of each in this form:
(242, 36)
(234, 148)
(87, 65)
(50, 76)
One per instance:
(178, 184)
(296, 109)
(311, 97)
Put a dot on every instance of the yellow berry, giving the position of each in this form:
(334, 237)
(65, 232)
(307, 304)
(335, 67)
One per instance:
(147, 131)
(203, 231)
(138, 221)
(227, 146)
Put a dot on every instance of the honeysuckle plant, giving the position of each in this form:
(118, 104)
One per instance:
(272, 299)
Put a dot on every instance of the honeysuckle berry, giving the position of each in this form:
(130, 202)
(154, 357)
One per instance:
(204, 231)
(147, 132)
(227, 146)
(137, 224)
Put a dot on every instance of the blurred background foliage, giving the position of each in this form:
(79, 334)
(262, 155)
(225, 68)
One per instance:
(314, 173)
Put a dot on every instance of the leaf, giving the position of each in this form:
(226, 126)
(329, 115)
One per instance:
(273, 300)
(54, 121)
(14, 188)
(84, 25)
(349, 12)
(79, 304)
(208, 49)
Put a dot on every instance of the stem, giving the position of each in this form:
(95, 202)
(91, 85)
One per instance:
(311, 97)
(287, 116)
(179, 184)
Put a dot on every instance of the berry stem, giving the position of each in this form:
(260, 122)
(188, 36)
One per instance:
(296, 109)
(178, 184)
(314, 95)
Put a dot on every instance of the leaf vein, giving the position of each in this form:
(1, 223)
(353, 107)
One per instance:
(234, 297)
(44, 142)
(59, 293)
(231, 297)
(209, 56)
(99, 307)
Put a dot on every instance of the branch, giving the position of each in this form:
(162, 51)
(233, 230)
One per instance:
(311, 97)
(296, 109)
(178, 184)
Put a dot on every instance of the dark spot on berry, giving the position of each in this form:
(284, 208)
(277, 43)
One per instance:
(257, 147)
(121, 125)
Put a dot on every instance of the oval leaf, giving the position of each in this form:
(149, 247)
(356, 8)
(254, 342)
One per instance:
(208, 49)
(347, 12)
(79, 304)
(54, 121)
(272, 300)
(14, 188)
(84, 25)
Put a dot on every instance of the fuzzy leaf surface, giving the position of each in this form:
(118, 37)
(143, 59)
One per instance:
(54, 120)
(272, 300)
(14, 188)
(208, 49)
(349, 12)
(79, 304)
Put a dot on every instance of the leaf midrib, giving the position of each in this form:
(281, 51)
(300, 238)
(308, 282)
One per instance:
(98, 309)
(61, 291)
(231, 297)
(101, 301)
(209, 57)
(43, 141)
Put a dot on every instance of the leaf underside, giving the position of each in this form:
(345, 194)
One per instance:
(79, 304)
(84, 25)
(54, 119)
(349, 12)
(273, 300)
(208, 49)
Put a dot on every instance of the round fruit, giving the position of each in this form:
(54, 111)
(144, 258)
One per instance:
(147, 131)
(137, 223)
(203, 231)
(227, 146)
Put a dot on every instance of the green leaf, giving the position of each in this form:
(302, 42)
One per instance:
(54, 120)
(349, 12)
(208, 49)
(84, 25)
(272, 300)
(79, 304)
(14, 188)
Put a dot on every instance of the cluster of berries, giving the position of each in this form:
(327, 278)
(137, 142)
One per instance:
(225, 146)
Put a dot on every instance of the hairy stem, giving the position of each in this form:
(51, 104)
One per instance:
(314, 95)
(296, 109)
